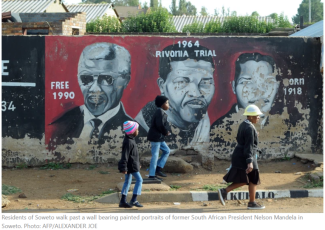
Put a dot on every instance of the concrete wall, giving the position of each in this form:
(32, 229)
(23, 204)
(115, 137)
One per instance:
(208, 80)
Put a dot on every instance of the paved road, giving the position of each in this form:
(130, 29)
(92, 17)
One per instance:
(286, 205)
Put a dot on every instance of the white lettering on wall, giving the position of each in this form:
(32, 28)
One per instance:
(4, 73)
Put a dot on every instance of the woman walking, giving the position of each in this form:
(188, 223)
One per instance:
(244, 169)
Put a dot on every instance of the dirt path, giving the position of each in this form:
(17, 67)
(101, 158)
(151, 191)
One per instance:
(44, 188)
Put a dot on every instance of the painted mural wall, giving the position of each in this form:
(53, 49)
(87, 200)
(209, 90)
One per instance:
(92, 84)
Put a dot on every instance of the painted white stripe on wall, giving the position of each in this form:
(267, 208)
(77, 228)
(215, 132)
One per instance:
(315, 193)
(24, 84)
(200, 196)
(280, 193)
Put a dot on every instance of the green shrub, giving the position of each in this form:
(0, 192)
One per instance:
(105, 24)
(156, 20)
(195, 27)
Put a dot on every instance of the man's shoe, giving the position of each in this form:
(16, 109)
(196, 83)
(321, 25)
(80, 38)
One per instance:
(125, 205)
(136, 204)
(255, 206)
(160, 173)
(222, 196)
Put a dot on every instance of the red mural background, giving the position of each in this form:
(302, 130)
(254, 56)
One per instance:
(61, 64)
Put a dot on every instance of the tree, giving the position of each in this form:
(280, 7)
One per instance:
(182, 7)
(273, 16)
(96, 1)
(303, 10)
(191, 9)
(234, 14)
(157, 20)
(145, 5)
(153, 3)
(125, 2)
(204, 11)
(216, 12)
(255, 14)
(173, 8)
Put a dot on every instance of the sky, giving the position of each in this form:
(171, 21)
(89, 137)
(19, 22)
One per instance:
(242, 7)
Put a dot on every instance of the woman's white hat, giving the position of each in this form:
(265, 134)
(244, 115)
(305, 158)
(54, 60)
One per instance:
(252, 110)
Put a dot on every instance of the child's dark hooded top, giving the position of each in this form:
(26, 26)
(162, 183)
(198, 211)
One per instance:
(130, 157)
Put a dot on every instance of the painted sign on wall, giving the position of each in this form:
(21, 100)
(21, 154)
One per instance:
(95, 83)
(23, 78)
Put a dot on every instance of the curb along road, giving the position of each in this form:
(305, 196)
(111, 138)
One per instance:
(211, 196)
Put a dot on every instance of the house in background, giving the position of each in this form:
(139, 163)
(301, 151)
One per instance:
(94, 11)
(126, 11)
(181, 21)
(40, 17)
(33, 6)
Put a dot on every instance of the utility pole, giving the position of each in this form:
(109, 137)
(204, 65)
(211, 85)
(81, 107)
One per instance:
(309, 12)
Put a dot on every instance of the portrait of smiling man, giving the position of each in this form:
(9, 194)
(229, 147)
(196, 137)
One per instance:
(187, 81)
(104, 71)
(254, 83)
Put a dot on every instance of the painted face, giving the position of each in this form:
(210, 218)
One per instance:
(257, 85)
(190, 88)
(103, 74)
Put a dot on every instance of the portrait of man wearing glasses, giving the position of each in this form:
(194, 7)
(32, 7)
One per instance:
(187, 81)
(104, 72)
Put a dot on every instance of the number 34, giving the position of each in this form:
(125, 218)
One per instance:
(11, 106)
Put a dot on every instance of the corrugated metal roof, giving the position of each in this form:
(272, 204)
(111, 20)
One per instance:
(25, 6)
(314, 30)
(181, 21)
(92, 11)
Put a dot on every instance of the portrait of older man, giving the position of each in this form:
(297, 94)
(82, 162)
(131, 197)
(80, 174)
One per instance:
(104, 71)
(187, 81)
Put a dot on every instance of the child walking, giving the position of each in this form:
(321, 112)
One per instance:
(130, 165)
(159, 129)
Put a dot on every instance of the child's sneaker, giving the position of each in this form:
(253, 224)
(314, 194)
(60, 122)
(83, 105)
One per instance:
(136, 204)
(125, 205)
(222, 196)
(255, 206)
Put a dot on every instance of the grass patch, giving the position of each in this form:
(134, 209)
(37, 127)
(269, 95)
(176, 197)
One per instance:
(55, 166)
(92, 167)
(174, 187)
(21, 165)
(103, 172)
(313, 183)
(84, 199)
(7, 190)
(210, 187)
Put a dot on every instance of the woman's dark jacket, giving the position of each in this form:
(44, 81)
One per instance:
(159, 126)
(246, 150)
(130, 157)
